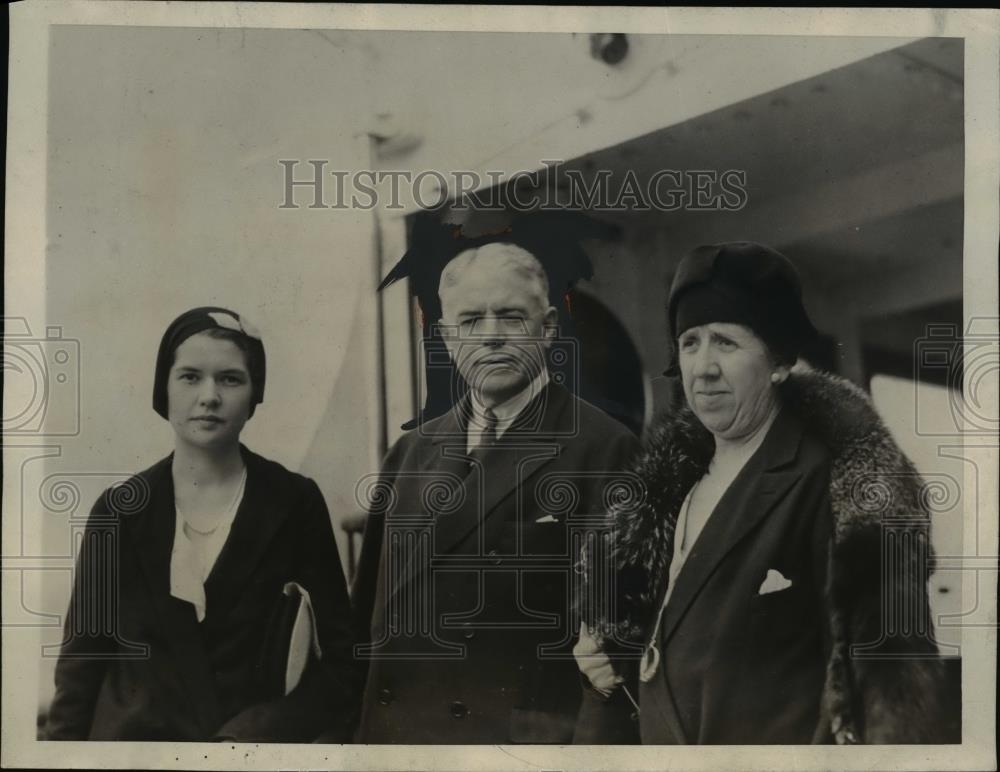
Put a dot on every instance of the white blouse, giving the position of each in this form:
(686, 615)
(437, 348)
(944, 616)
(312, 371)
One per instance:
(195, 553)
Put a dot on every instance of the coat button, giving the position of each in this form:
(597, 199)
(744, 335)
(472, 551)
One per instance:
(385, 696)
(458, 709)
(467, 632)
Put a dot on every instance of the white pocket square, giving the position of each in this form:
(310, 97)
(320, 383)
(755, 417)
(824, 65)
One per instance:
(546, 519)
(773, 582)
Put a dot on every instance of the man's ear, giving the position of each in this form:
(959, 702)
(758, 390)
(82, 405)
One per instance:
(550, 322)
(449, 336)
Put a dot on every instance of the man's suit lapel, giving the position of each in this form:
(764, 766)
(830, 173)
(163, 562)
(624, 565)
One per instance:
(751, 497)
(524, 449)
(151, 533)
(442, 461)
(486, 482)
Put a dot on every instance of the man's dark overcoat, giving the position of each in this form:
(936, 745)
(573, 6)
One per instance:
(466, 575)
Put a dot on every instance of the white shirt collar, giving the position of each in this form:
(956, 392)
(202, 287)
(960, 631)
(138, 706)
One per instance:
(506, 412)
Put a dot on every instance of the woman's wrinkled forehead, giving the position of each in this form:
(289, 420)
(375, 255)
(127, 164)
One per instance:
(739, 333)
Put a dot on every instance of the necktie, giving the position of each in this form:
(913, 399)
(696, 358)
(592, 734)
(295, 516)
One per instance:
(488, 437)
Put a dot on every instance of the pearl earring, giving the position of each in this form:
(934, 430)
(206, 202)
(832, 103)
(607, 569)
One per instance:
(776, 378)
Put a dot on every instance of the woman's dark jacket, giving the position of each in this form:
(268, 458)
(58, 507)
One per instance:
(845, 653)
(137, 665)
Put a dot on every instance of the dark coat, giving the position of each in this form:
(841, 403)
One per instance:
(156, 673)
(831, 502)
(464, 593)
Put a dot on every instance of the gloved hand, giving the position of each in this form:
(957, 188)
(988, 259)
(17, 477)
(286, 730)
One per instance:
(595, 664)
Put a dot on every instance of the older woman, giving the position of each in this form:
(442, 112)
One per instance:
(184, 571)
(758, 594)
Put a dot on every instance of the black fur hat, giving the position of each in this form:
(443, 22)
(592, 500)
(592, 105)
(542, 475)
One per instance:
(743, 283)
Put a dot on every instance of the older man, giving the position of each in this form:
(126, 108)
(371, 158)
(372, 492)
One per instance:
(466, 570)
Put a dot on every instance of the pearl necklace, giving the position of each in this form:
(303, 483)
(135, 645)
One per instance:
(232, 505)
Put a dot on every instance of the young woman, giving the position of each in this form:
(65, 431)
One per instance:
(183, 568)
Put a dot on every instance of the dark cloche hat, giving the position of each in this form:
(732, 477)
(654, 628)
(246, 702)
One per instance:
(742, 282)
